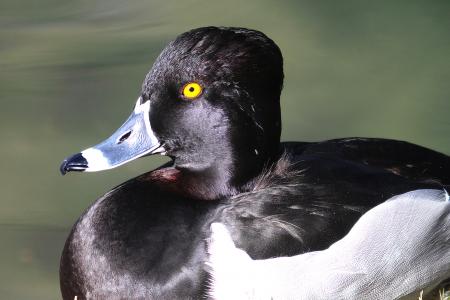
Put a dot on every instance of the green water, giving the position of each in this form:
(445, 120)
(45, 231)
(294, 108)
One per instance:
(70, 72)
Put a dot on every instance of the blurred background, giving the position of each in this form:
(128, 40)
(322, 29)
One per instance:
(70, 72)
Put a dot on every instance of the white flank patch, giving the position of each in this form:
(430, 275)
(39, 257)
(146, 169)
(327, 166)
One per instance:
(396, 249)
(231, 274)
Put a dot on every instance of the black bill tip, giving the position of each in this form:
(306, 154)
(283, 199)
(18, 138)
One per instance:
(74, 163)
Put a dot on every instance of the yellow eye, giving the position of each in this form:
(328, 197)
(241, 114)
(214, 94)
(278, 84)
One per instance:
(192, 90)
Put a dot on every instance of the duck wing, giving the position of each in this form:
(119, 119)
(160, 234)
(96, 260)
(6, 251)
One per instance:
(404, 159)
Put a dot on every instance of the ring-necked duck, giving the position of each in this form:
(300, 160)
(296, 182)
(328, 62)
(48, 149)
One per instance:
(395, 250)
(211, 102)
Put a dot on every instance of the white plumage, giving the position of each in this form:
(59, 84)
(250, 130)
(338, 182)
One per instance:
(395, 250)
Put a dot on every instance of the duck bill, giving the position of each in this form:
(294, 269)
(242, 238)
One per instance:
(135, 138)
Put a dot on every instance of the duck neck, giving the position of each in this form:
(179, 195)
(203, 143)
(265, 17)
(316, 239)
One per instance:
(211, 183)
(227, 175)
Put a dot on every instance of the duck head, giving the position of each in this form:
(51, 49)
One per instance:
(211, 102)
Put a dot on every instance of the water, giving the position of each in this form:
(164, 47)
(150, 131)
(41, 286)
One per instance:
(71, 71)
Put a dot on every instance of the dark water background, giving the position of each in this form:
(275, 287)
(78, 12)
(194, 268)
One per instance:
(70, 72)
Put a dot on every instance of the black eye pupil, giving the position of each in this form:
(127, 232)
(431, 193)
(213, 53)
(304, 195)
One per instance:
(191, 89)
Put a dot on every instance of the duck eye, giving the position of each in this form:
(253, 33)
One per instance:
(192, 90)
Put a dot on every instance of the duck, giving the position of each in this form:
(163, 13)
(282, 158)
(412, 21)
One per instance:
(211, 103)
(394, 251)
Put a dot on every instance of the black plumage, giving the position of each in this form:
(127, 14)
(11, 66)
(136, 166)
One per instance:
(147, 237)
